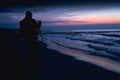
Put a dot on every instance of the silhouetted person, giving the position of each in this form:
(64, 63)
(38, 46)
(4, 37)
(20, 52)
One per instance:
(29, 31)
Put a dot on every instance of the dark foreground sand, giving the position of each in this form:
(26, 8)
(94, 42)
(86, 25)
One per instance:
(51, 65)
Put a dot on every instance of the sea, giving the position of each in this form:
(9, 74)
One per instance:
(96, 44)
(99, 47)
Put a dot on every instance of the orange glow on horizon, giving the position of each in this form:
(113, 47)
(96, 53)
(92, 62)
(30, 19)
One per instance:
(77, 23)
(107, 20)
(66, 23)
(99, 17)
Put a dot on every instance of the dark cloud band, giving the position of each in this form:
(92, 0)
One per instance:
(52, 2)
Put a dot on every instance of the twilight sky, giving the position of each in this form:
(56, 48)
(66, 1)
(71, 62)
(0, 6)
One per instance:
(62, 12)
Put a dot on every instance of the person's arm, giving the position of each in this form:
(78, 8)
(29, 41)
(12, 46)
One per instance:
(21, 29)
(39, 24)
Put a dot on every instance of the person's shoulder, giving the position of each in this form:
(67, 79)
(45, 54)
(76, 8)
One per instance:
(22, 20)
(33, 20)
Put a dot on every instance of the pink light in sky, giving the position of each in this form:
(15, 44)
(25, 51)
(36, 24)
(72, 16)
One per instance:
(103, 16)
(69, 16)
(67, 23)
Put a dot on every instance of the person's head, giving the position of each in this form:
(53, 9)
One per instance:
(28, 14)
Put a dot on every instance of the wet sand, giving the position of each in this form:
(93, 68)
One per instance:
(105, 63)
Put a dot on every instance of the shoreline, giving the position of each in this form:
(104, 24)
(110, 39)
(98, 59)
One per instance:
(51, 64)
(105, 63)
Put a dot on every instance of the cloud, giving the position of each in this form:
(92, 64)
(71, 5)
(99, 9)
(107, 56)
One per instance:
(5, 5)
(52, 2)
(64, 23)
(43, 5)
(58, 15)
(5, 18)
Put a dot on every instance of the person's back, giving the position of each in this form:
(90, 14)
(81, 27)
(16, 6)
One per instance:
(28, 27)
(28, 31)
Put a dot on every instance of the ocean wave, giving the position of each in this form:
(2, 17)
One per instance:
(91, 43)
(116, 34)
(102, 52)
(97, 60)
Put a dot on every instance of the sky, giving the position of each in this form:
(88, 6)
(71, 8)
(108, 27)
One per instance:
(61, 12)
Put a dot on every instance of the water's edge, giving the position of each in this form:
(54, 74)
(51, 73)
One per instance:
(96, 60)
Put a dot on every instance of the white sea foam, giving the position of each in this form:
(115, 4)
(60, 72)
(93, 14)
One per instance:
(96, 60)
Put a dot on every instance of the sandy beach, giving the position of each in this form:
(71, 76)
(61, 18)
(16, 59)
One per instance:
(51, 65)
